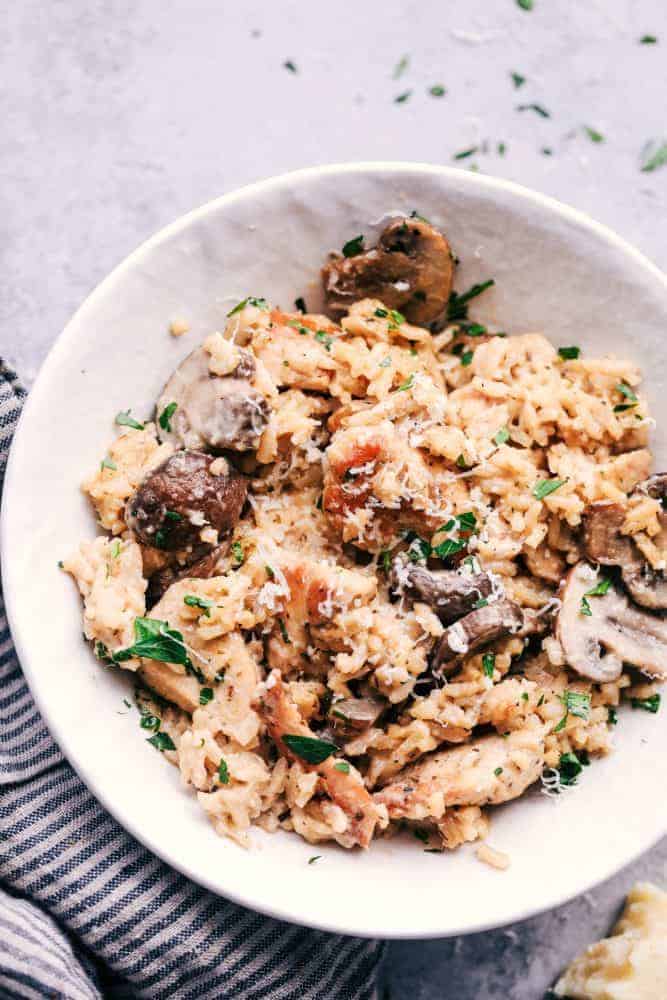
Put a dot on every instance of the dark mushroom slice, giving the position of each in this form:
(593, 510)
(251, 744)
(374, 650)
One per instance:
(213, 412)
(354, 715)
(604, 544)
(476, 630)
(655, 486)
(599, 634)
(449, 593)
(210, 564)
(411, 269)
(182, 497)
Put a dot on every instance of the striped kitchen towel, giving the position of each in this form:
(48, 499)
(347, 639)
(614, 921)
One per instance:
(87, 912)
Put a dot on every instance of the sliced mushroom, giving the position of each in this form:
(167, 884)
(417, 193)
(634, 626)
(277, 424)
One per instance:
(208, 565)
(545, 564)
(410, 269)
(597, 644)
(476, 630)
(604, 544)
(449, 593)
(180, 501)
(353, 715)
(655, 486)
(213, 412)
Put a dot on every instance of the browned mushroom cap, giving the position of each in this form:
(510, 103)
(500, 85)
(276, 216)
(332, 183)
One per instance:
(601, 633)
(604, 544)
(655, 486)
(410, 269)
(450, 594)
(213, 412)
(356, 714)
(182, 497)
(210, 564)
(476, 630)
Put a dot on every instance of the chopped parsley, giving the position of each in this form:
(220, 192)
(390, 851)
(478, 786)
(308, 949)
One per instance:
(465, 525)
(465, 153)
(599, 590)
(585, 608)
(300, 304)
(461, 462)
(164, 419)
(162, 742)
(654, 155)
(575, 704)
(651, 704)
(488, 664)
(569, 353)
(437, 90)
(315, 857)
(544, 487)
(501, 149)
(382, 313)
(537, 108)
(194, 601)
(409, 382)
(123, 419)
(419, 549)
(386, 362)
(498, 771)
(303, 330)
(400, 67)
(457, 306)
(290, 66)
(205, 695)
(546, 151)
(308, 748)
(223, 772)
(283, 631)
(324, 338)
(628, 394)
(251, 300)
(115, 549)
(648, 40)
(354, 247)
(149, 721)
(172, 515)
(612, 716)
(402, 98)
(570, 767)
(106, 463)
(593, 134)
(342, 766)
(154, 640)
(525, 4)
(518, 80)
(466, 358)
(238, 554)
(501, 436)
(385, 560)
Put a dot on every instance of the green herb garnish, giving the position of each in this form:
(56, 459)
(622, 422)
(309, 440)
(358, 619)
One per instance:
(205, 695)
(162, 742)
(408, 383)
(544, 487)
(518, 80)
(324, 338)
(612, 716)
(569, 353)
(488, 664)
(465, 153)
(315, 857)
(193, 601)
(402, 98)
(570, 767)
(457, 306)
(106, 463)
(498, 771)
(501, 436)
(164, 419)
(223, 772)
(437, 90)
(654, 155)
(648, 40)
(575, 704)
(342, 766)
(238, 554)
(308, 748)
(537, 108)
(150, 722)
(466, 358)
(593, 134)
(289, 65)
(400, 67)
(651, 704)
(525, 4)
(354, 247)
(123, 419)
(585, 608)
(600, 588)
(154, 640)
(250, 300)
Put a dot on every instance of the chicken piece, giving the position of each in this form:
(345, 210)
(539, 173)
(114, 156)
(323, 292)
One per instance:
(377, 485)
(345, 787)
(487, 771)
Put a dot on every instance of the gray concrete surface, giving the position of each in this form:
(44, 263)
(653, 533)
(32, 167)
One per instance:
(118, 116)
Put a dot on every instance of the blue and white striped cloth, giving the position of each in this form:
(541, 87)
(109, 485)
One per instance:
(86, 912)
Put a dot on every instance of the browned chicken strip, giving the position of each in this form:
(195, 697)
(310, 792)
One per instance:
(345, 787)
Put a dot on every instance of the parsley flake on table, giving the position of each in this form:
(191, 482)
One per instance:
(308, 748)
(465, 153)
(400, 67)
(291, 66)
(402, 98)
(525, 4)
(437, 90)
(457, 306)
(648, 40)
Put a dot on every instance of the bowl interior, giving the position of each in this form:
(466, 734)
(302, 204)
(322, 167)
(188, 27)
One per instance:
(555, 272)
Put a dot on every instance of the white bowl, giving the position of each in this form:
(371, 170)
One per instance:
(555, 271)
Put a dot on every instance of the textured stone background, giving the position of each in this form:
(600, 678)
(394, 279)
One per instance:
(118, 116)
